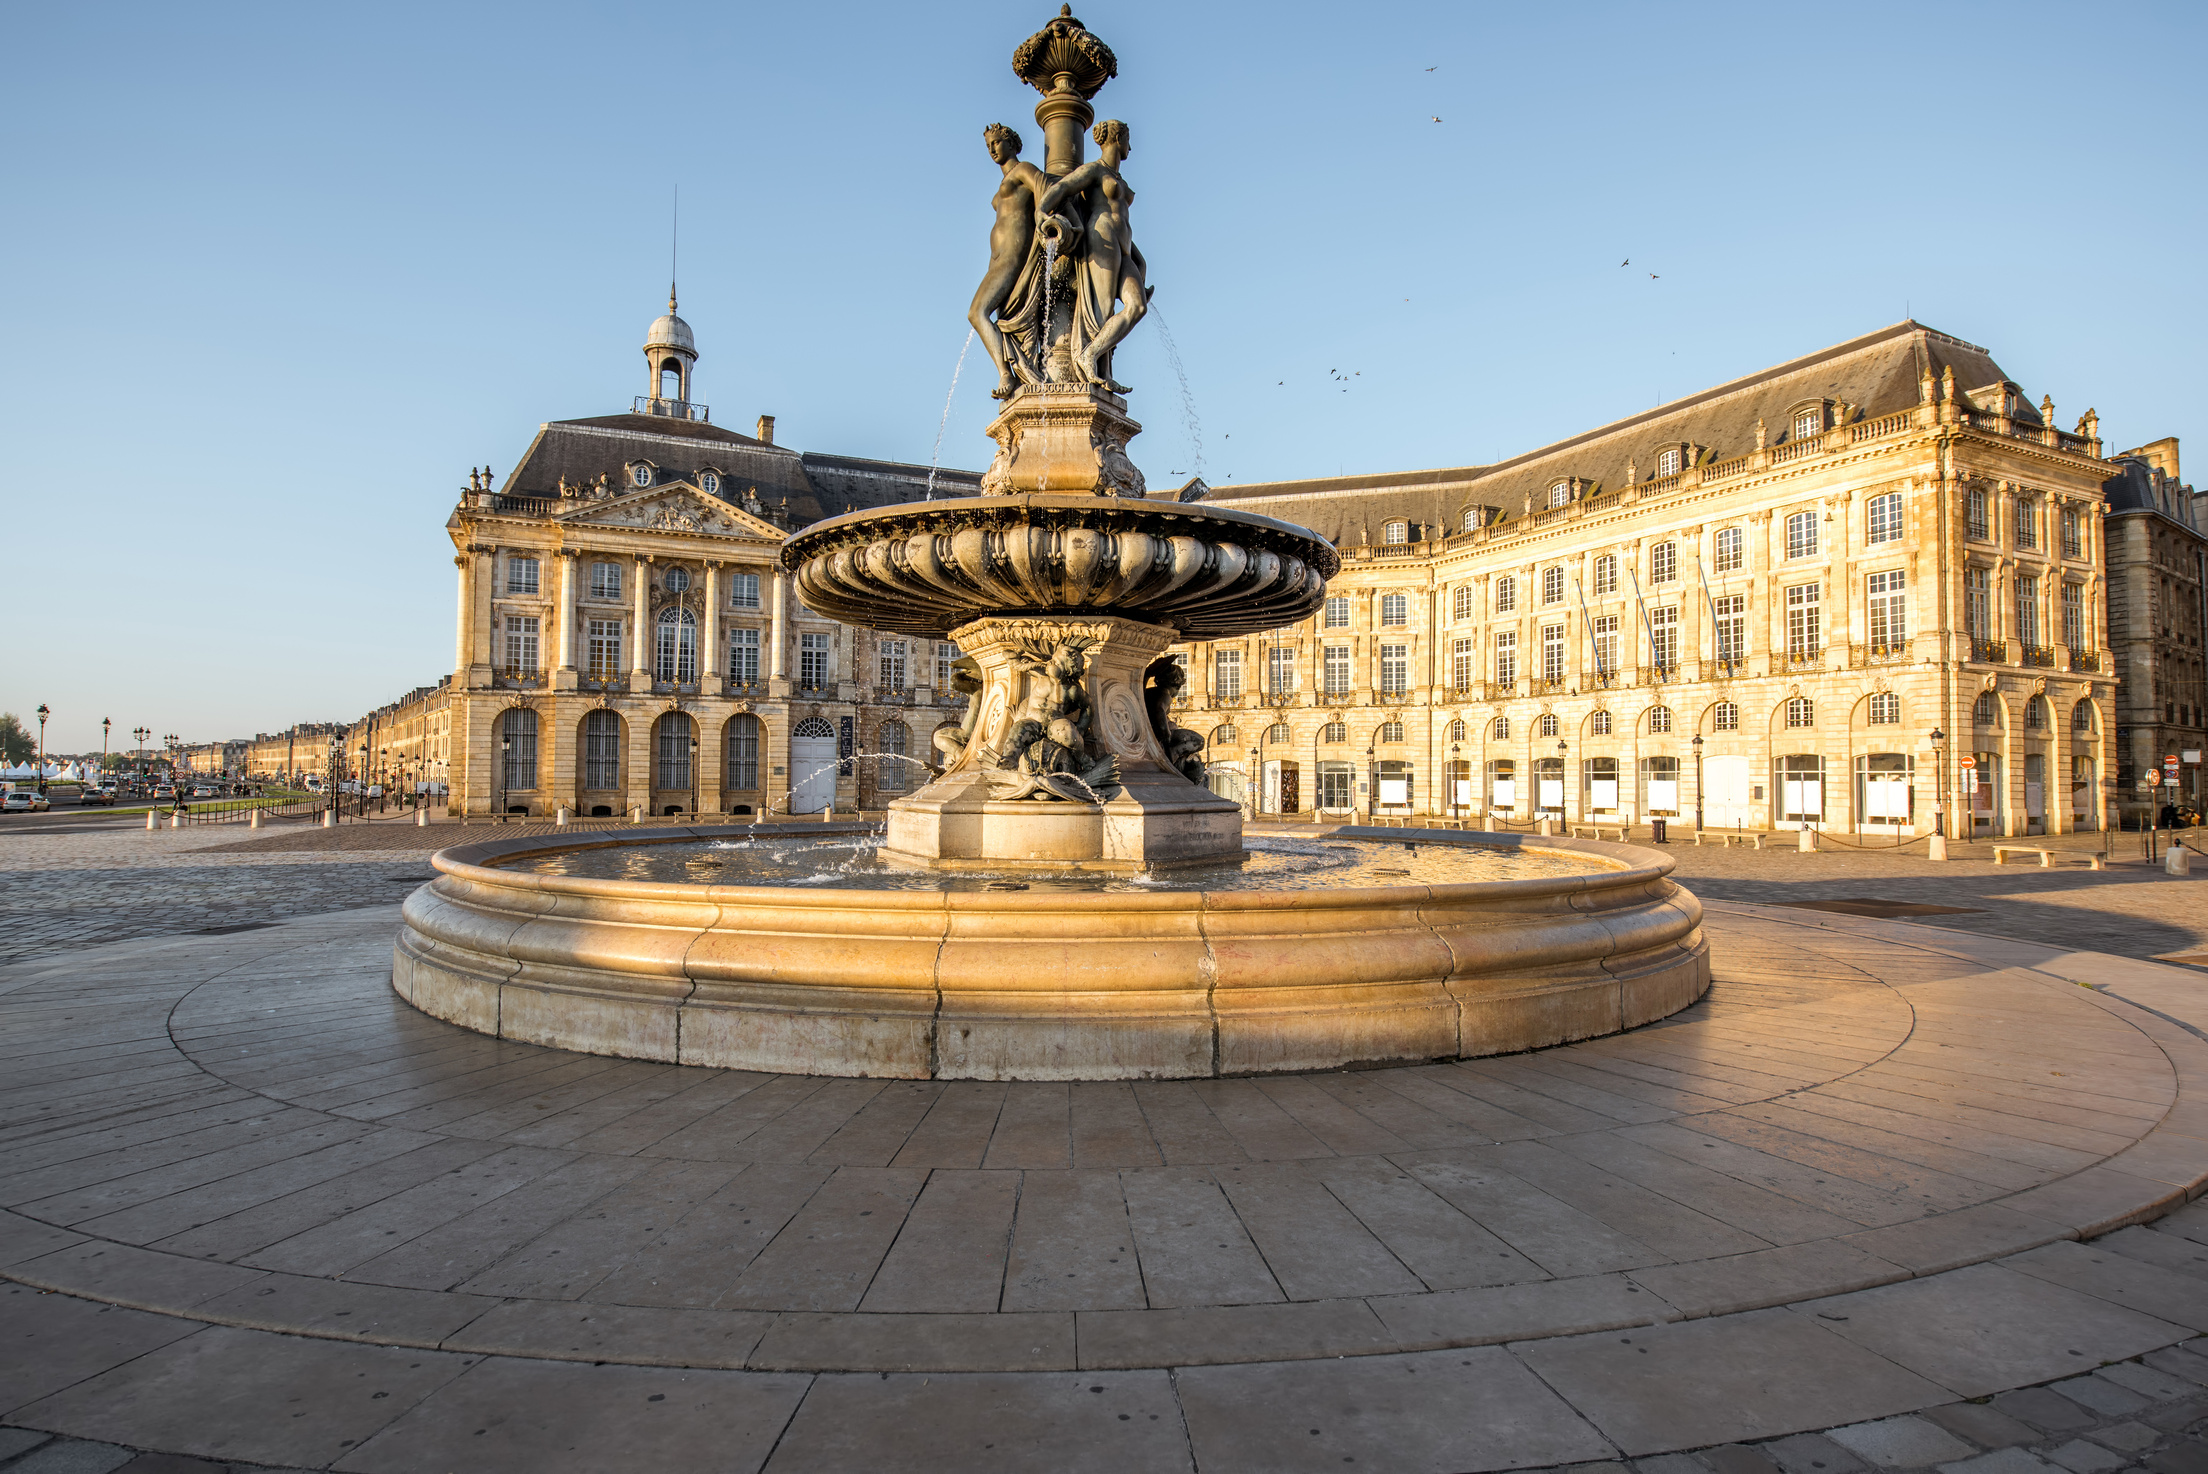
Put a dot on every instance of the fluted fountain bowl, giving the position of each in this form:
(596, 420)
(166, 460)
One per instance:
(924, 568)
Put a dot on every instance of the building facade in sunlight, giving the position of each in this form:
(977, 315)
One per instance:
(1839, 593)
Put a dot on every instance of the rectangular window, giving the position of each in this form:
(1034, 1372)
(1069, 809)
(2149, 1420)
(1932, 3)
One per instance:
(1974, 515)
(1334, 786)
(1460, 603)
(677, 650)
(1663, 563)
(1552, 653)
(521, 645)
(1977, 608)
(2073, 615)
(1667, 462)
(946, 653)
(1809, 422)
(2027, 608)
(1395, 669)
(1226, 678)
(812, 662)
(1804, 621)
(521, 575)
(1506, 595)
(1464, 664)
(1552, 585)
(1395, 609)
(1801, 535)
(1663, 638)
(1885, 518)
(743, 591)
(1725, 551)
(743, 756)
(601, 751)
(1337, 612)
(2073, 533)
(1337, 670)
(1506, 657)
(1280, 670)
(743, 657)
(890, 665)
(602, 649)
(1606, 644)
(1889, 606)
(2027, 525)
(1606, 574)
(605, 580)
(1731, 617)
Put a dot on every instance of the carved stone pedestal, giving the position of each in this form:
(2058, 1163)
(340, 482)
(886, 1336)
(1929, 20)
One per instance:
(1061, 439)
(991, 808)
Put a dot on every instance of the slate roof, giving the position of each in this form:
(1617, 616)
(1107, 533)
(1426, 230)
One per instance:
(1870, 376)
(816, 486)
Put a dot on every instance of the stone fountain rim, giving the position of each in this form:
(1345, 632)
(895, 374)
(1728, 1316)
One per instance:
(1632, 865)
(835, 532)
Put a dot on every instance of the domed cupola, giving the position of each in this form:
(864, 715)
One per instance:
(670, 351)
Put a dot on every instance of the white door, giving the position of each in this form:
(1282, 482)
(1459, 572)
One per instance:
(1725, 793)
(812, 766)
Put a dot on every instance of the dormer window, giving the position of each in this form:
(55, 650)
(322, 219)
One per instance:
(709, 482)
(1397, 532)
(1809, 421)
(1559, 494)
(1471, 519)
(640, 473)
(1667, 463)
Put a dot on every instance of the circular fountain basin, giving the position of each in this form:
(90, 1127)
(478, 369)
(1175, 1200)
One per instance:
(1276, 965)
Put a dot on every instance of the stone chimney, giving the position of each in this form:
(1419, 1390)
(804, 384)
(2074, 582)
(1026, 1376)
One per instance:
(766, 429)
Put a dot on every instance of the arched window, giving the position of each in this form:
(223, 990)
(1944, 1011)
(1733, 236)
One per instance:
(892, 772)
(675, 654)
(2036, 716)
(677, 738)
(1986, 710)
(1456, 730)
(1725, 717)
(1391, 731)
(1800, 712)
(1398, 532)
(813, 727)
(1471, 519)
(1222, 735)
(670, 379)
(1885, 709)
(517, 745)
(1334, 732)
(1277, 734)
(1667, 461)
(1502, 729)
(602, 750)
(1560, 493)
(1598, 725)
(1659, 719)
(743, 753)
(1548, 724)
(2081, 717)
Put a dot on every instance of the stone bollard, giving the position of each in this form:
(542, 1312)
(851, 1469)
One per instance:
(1937, 850)
(2179, 860)
(1541, 827)
(421, 817)
(1808, 841)
(176, 821)
(253, 820)
(559, 817)
(150, 822)
(636, 815)
(329, 818)
(828, 815)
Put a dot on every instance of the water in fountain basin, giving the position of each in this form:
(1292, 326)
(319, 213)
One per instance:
(852, 862)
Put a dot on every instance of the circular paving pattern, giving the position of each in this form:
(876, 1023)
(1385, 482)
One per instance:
(251, 1133)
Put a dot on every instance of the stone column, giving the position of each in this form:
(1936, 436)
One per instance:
(710, 768)
(636, 763)
(2055, 791)
(709, 633)
(778, 637)
(464, 564)
(564, 675)
(482, 652)
(640, 663)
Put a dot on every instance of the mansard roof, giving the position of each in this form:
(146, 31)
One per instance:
(1863, 379)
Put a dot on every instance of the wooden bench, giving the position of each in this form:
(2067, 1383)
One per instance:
(1596, 831)
(2047, 857)
(1725, 838)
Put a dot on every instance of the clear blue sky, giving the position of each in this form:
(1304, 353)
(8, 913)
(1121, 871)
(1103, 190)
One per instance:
(277, 276)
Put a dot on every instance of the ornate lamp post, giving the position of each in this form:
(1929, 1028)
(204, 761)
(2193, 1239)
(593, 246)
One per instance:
(1562, 749)
(1372, 780)
(1697, 746)
(1454, 805)
(141, 733)
(43, 713)
(1252, 783)
(693, 769)
(1938, 845)
(105, 724)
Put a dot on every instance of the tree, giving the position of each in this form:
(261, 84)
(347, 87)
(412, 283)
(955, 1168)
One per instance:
(16, 745)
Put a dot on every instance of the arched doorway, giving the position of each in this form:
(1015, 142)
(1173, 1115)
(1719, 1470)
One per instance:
(674, 749)
(517, 751)
(744, 732)
(598, 785)
(812, 766)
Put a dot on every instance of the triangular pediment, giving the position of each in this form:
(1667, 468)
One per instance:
(679, 507)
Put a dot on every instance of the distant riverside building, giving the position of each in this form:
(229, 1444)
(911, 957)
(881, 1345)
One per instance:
(626, 642)
(2157, 551)
(298, 750)
(1811, 569)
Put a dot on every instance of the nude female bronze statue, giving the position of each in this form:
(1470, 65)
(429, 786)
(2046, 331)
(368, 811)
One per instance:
(1111, 265)
(1011, 248)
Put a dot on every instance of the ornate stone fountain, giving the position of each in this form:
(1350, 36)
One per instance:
(1064, 586)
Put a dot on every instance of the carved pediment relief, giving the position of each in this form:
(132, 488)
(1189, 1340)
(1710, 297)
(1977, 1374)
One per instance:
(676, 508)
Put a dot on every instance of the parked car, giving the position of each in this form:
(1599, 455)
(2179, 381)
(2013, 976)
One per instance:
(203, 791)
(93, 796)
(24, 801)
(166, 790)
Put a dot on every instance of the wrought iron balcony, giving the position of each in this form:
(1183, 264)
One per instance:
(2042, 656)
(1989, 652)
(2084, 659)
(520, 675)
(673, 409)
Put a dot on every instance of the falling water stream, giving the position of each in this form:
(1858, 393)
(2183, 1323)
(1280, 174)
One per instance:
(1189, 421)
(935, 458)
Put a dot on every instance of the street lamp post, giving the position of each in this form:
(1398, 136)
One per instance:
(1250, 785)
(1562, 770)
(1454, 749)
(105, 724)
(498, 787)
(1372, 781)
(43, 713)
(1936, 849)
(1697, 746)
(141, 733)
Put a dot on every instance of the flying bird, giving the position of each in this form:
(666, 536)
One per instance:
(1437, 120)
(1628, 261)
(1432, 69)
(1652, 276)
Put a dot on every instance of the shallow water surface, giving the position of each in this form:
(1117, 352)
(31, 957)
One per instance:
(853, 862)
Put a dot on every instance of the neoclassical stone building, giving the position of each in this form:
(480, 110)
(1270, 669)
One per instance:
(2157, 620)
(626, 643)
(1838, 593)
